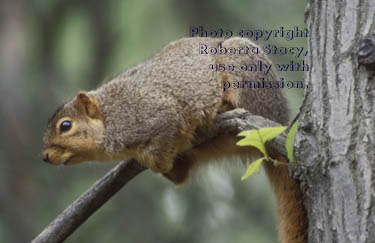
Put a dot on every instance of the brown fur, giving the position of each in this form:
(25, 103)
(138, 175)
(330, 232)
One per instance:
(153, 111)
(290, 209)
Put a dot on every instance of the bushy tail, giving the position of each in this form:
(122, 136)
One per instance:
(269, 103)
(291, 212)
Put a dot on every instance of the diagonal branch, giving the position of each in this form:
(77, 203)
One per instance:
(90, 201)
(231, 122)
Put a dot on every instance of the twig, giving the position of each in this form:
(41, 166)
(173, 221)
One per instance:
(77, 212)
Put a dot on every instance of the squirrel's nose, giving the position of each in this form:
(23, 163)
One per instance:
(45, 157)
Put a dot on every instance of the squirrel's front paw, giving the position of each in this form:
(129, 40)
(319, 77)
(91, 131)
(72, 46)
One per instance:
(181, 169)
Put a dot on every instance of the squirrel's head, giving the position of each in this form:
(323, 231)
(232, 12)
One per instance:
(75, 132)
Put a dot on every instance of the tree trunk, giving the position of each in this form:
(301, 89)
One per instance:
(336, 137)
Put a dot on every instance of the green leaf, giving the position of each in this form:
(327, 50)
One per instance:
(258, 138)
(252, 138)
(270, 133)
(276, 163)
(253, 168)
(290, 141)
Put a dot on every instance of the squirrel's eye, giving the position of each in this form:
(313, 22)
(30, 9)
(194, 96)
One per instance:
(65, 126)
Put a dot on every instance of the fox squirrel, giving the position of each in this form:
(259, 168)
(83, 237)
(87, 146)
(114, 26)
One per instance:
(153, 111)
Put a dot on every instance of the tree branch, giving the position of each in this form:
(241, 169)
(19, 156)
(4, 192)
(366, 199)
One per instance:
(231, 122)
(82, 208)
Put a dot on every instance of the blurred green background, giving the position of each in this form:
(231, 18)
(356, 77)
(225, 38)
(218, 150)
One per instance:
(49, 50)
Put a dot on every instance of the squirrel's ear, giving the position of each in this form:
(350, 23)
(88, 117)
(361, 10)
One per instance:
(88, 105)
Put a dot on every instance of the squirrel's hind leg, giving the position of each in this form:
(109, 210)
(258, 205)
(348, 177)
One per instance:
(182, 167)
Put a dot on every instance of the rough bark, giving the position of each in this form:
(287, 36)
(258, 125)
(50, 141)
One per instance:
(231, 122)
(336, 138)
